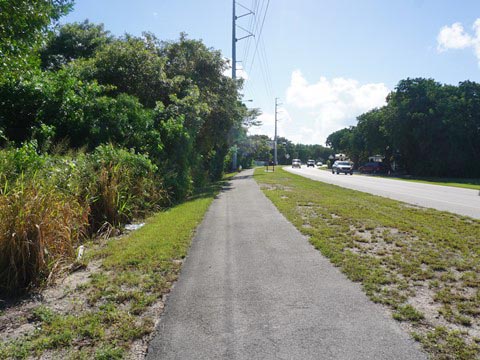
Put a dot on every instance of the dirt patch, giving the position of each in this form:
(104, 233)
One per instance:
(67, 295)
(139, 348)
(274, 187)
(61, 296)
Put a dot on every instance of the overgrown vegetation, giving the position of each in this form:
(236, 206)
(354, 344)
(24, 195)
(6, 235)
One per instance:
(98, 130)
(49, 204)
(423, 264)
(119, 303)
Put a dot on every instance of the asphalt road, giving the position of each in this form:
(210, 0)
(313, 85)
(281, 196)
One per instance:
(252, 287)
(446, 198)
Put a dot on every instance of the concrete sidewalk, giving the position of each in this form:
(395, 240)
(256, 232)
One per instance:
(253, 287)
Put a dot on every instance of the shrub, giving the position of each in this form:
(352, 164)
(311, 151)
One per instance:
(17, 161)
(118, 185)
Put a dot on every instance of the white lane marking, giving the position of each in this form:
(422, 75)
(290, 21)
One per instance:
(368, 189)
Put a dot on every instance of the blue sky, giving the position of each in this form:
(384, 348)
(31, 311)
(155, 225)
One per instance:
(326, 61)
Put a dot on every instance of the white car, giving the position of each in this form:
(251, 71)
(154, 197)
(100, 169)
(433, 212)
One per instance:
(296, 163)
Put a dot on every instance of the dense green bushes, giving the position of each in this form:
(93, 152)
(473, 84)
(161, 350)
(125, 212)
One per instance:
(169, 100)
(89, 96)
(49, 204)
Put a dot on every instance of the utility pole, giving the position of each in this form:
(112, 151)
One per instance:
(275, 160)
(234, 54)
(234, 42)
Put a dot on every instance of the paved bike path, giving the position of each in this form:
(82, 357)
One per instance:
(252, 287)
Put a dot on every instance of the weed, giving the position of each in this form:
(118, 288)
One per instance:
(444, 344)
(407, 313)
(109, 352)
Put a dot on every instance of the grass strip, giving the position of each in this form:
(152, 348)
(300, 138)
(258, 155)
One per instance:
(423, 264)
(114, 307)
(459, 183)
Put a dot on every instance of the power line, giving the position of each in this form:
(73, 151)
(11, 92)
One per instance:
(263, 67)
(260, 33)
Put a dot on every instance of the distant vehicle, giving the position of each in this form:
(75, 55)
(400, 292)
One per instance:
(319, 163)
(296, 163)
(345, 167)
(373, 168)
(311, 163)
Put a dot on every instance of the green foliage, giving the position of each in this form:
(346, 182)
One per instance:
(408, 313)
(426, 128)
(170, 100)
(109, 352)
(58, 100)
(23, 23)
(118, 185)
(131, 66)
(190, 61)
(71, 42)
(175, 159)
(16, 162)
(444, 345)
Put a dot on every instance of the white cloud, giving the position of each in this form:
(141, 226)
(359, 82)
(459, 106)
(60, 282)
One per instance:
(328, 105)
(455, 37)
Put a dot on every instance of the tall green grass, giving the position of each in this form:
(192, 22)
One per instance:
(50, 204)
(39, 229)
(118, 186)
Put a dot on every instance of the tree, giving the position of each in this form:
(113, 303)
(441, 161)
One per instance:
(372, 136)
(129, 66)
(341, 141)
(23, 25)
(190, 61)
(416, 125)
(73, 41)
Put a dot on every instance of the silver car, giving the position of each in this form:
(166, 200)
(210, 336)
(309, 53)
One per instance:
(345, 167)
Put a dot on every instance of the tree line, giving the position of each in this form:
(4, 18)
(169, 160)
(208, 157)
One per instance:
(97, 131)
(78, 87)
(425, 129)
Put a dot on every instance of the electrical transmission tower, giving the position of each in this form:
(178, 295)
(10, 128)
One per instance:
(234, 34)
